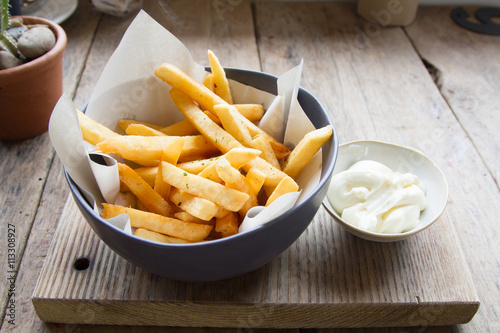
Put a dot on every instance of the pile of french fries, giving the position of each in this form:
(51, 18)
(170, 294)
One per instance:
(195, 180)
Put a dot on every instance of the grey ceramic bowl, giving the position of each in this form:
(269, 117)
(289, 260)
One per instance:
(232, 256)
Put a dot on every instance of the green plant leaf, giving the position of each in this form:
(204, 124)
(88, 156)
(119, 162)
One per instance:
(8, 43)
(4, 15)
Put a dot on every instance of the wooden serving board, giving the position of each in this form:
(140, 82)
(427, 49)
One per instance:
(328, 278)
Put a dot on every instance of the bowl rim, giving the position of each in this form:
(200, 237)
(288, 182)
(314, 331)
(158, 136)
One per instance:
(324, 179)
(374, 236)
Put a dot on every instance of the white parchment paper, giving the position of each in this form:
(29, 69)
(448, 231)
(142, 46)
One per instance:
(128, 88)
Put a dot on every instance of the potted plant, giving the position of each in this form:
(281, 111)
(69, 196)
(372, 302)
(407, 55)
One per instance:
(30, 80)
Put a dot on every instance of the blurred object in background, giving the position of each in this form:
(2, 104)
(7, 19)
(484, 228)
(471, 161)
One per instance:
(30, 6)
(54, 10)
(388, 12)
(15, 7)
(117, 7)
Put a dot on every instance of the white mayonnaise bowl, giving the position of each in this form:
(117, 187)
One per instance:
(398, 159)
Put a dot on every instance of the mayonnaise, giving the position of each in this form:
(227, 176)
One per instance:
(371, 196)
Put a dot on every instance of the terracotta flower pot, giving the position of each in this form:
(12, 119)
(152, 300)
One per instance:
(29, 92)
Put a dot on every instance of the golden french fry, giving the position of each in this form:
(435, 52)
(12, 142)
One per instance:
(160, 186)
(253, 112)
(207, 99)
(305, 150)
(157, 237)
(230, 199)
(235, 180)
(126, 199)
(227, 115)
(237, 157)
(198, 207)
(227, 225)
(209, 82)
(143, 191)
(255, 178)
(262, 143)
(185, 216)
(286, 185)
(148, 174)
(193, 232)
(219, 137)
(221, 212)
(143, 130)
(195, 166)
(170, 155)
(183, 127)
(124, 123)
(214, 133)
(148, 150)
(92, 131)
(220, 82)
(177, 78)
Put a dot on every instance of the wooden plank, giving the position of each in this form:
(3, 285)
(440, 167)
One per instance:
(106, 39)
(405, 283)
(28, 187)
(112, 290)
(377, 88)
(34, 190)
(467, 67)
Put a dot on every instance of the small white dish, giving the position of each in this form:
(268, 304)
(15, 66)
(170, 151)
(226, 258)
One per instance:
(403, 160)
(55, 10)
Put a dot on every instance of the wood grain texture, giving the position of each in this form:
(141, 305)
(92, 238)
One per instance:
(468, 73)
(359, 72)
(289, 292)
(314, 283)
(34, 199)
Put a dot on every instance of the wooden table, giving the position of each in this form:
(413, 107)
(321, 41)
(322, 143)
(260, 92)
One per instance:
(432, 85)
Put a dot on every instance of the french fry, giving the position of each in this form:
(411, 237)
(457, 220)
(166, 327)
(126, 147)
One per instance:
(143, 191)
(148, 150)
(305, 150)
(237, 157)
(126, 199)
(208, 99)
(228, 198)
(253, 112)
(92, 131)
(201, 175)
(234, 179)
(261, 143)
(148, 174)
(255, 178)
(157, 237)
(183, 127)
(227, 225)
(160, 186)
(193, 232)
(219, 137)
(286, 185)
(214, 133)
(198, 207)
(178, 79)
(124, 123)
(143, 130)
(196, 166)
(229, 120)
(220, 82)
(185, 216)
(170, 155)
(209, 82)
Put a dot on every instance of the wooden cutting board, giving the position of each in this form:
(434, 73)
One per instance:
(327, 278)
